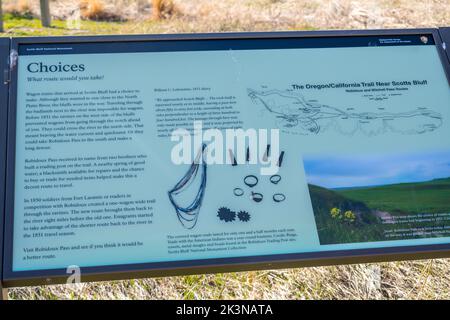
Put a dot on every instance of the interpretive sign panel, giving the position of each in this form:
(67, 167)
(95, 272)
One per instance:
(141, 156)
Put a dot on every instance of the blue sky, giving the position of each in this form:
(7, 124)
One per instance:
(332, 171)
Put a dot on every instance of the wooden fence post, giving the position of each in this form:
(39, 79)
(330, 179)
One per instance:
(1, 17)
(45, 13)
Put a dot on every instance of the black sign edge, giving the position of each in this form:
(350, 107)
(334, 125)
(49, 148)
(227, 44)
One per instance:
(4, 69)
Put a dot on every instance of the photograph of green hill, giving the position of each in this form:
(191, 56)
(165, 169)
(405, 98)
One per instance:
(379, 198)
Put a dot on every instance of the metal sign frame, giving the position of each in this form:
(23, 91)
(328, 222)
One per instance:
(246, 263)
(4, 66)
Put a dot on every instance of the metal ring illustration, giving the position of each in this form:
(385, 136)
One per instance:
(257, 197)
(275, 178)
(279, 197)
(238, 192)
(249, 183)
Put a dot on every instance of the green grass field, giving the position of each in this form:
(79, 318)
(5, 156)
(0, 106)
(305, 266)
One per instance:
(17, 26)
(421, 197)
(23, 26)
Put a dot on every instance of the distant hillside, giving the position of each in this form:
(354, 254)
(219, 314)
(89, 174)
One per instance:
(366, 227)
(420, 197)
(330, 198)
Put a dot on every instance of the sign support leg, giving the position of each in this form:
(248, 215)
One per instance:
(3, 292)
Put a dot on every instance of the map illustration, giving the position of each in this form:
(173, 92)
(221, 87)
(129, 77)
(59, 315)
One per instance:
(297, 115)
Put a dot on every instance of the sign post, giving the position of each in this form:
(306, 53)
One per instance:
(3, 293)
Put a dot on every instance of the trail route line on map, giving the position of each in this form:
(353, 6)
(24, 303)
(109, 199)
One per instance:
(294, 114)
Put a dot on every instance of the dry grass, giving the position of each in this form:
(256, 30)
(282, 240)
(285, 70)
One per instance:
(163, 9)
(92, 9)
(428, 279)
(19, 8)
(97, 11)
(234, 15)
